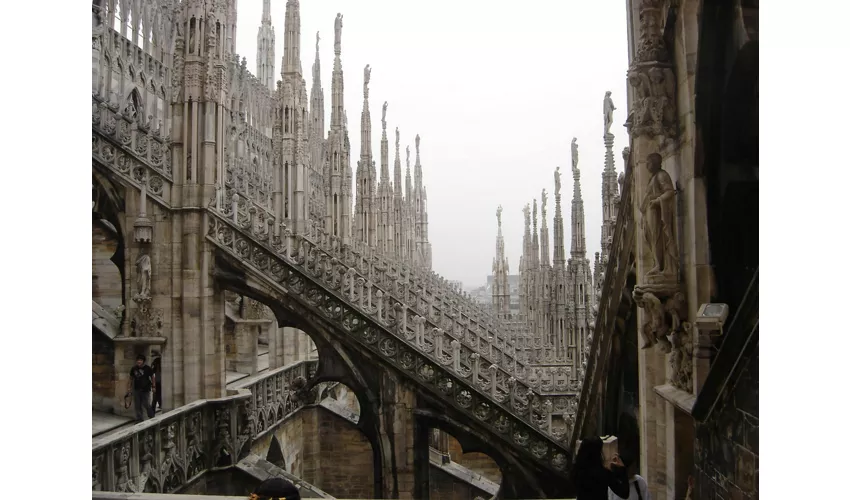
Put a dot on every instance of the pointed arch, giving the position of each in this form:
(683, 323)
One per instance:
(275, 454)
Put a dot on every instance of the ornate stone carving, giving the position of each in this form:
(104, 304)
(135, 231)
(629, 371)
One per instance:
(143, 275)
(658, 223)
(653, 112)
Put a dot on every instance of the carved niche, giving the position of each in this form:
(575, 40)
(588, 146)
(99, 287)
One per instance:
(653, 112)
(660, 293)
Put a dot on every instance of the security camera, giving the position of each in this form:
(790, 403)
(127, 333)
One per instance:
(711, 318)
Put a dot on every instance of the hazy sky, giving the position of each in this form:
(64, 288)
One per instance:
(496, 91)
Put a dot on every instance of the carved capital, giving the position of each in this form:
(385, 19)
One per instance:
(653, 113)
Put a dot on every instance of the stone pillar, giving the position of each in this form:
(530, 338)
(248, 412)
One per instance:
(400, 437)
(245, 342)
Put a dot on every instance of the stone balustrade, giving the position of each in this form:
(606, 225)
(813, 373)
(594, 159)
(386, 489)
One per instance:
(163, 454)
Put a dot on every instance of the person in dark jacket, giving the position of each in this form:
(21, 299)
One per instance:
(593, 477)
(276, 488)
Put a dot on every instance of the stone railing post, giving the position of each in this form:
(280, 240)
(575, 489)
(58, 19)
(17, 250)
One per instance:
(379, 295)
(361, 283)
(234, 204)
(351, 273)
(476, 360)
(369, 295)
(456, 355)
(494, 370)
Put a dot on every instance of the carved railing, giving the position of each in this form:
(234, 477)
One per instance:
(170, 451)
(432, 357)
(599, 347)
(136, 154)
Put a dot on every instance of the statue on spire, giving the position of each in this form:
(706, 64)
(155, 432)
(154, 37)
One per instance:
(499, 215)
(608, 111)
(317, 43)
(337, 32)
(367, 75)
(557, 181)
(408, 156)
(574, 147)
(526, 212)
(417, 144)
(543, 199)
(384, 115)
(397, 136)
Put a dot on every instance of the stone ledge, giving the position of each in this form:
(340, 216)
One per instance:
(679, 398)
(141, 340)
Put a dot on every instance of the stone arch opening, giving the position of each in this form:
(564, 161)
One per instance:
(275, 454)
(451, 467)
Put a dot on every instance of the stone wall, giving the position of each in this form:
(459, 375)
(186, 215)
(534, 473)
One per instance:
(444, 486)
(727, 444)
(325, 450)
(337, 456)
(474, 461)
(105, 276)
(103, 372)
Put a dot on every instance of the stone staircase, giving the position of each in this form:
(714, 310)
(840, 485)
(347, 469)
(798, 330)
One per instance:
(412, 321)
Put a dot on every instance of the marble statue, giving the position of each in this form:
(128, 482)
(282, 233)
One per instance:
(543, 199)
(408, 156)
(367, 74)
(417, 144)
(384, 115)
(608, 111)
(526, 212)
(317, 41)
(657, 209)
(397, 138)
(337, 32)
(557, 181)
(574, 150)
(499, 215)
(143, 267)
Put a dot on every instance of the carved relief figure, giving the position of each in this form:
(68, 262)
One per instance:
(657, 209)
(143, 269)
(608, 110)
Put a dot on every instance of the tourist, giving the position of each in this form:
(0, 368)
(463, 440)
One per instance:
(593, 475)
(156, 366)
(637, 485)
(142, 382)
(276, 488)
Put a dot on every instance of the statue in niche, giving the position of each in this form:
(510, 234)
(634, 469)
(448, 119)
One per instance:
(557, 181)
(574, 152)
(608, 111)
(143, 270)
(384, 115)
(499, 215)
(192, 38)
(657, 210)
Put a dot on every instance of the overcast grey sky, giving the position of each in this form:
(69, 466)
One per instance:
(495, 90)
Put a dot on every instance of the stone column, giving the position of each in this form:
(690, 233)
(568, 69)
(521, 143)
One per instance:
(400, 437)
